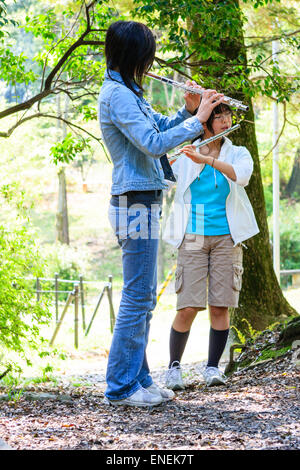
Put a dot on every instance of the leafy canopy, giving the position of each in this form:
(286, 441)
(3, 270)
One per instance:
(206, 37)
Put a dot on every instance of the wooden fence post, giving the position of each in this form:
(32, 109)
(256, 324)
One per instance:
(111, 306)
(95, 311)
(82, 301)
(76, 295)
(56, 297)
(69, 299)
(38, 289)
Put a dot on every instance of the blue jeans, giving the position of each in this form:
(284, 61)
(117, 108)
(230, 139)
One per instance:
(137, 230)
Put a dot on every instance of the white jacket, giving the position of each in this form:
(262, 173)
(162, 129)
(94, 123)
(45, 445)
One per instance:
(239, 212)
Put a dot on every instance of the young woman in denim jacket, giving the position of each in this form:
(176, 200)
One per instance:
(137, 139)
(215, 218)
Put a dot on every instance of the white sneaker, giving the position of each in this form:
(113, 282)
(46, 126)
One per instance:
(165, 394)
(142, 397)
(174, 377)
(213, 376)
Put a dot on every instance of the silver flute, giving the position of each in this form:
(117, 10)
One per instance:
(229, 101)
(206, 141)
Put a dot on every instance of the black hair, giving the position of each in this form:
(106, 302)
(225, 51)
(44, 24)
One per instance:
(221, 108)
(131, 47)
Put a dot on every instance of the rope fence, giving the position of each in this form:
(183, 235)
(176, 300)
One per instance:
(78, 297)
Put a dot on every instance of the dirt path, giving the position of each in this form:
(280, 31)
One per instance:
(257, 409)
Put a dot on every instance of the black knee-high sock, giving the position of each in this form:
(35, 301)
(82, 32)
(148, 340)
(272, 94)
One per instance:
(217, 343)
(177, 345)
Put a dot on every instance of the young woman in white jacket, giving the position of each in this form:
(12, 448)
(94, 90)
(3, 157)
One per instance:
(210, 219)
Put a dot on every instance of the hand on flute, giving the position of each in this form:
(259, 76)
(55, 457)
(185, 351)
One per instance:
(192, 100)
(197, 157)
(191, 152)
(210, 99)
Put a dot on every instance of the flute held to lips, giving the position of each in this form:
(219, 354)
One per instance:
(174, 157)
(230, 101)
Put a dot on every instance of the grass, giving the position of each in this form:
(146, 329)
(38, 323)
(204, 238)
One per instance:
(272, 353)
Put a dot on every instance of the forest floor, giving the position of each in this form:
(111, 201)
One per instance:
(257, 409)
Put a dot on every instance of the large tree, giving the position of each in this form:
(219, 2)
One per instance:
(205, 39)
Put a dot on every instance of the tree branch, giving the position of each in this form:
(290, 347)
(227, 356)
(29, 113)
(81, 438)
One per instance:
(274, 38)
(162, 63)
(62, 60)
(90, 42)
(280, 133)
(80, 41)
(51, 116)
(262, 77)
(5, 372)
(26, 105)
(61, 40)
(293, 124)
(47, 87)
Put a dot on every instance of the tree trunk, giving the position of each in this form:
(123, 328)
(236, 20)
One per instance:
(261, 300)
(293, 186)
(62, 224)
(62, 219)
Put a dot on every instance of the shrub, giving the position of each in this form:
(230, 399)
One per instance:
(20, 315)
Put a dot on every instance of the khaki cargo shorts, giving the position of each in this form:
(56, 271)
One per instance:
(208, 266)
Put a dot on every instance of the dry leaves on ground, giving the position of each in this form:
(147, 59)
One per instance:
(257, 409)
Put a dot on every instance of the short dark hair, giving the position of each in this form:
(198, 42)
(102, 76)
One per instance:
(131, 47)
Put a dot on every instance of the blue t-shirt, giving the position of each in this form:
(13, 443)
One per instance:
(208, 204)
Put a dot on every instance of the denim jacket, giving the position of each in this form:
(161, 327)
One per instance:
(136, 136)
